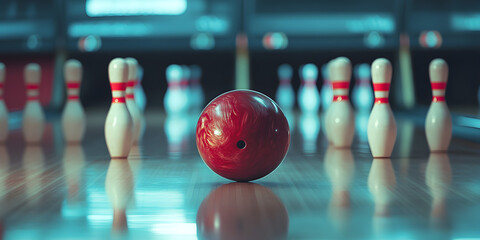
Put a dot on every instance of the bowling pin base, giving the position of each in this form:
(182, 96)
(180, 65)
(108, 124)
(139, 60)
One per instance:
(119, 158)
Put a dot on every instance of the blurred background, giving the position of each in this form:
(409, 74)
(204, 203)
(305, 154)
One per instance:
(239, 43)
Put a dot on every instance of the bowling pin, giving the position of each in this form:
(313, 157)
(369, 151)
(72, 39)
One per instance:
(382, 129)
(73, 117)
(308, 95)
(309, 125)
(175, 100)
(118, 125)
(33, 117)
(135, 112)
(340, 118)
(140, 97)
(362, 93)
(196, 93)
(327, 91)
(3, 108)
(438, 124)
(285, 95)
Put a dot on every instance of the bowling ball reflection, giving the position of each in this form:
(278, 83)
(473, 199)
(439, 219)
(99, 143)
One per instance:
(242, 211)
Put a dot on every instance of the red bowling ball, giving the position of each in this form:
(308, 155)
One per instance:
(242, 135)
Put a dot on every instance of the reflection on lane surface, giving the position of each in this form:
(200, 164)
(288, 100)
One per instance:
(242, 211)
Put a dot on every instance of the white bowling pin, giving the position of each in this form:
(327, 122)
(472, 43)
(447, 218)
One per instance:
(382, 129)
(175, 100)
(135, 112)
(438, 124)
(309, 125)
(381, 183)
(327, 91)
(118, 125)
(176, 130)
(33, 124)
(340, 118)
(362, 93)
(196, 91)
(140, 97)
(285, 95)
(73, 117)
(308, 95)
(3, 108)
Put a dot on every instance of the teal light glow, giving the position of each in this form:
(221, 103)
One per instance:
(101, 8)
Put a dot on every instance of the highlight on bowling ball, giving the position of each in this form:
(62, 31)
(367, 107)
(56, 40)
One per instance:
(242, 135)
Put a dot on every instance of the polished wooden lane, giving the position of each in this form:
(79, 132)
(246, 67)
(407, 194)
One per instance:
(165, 191)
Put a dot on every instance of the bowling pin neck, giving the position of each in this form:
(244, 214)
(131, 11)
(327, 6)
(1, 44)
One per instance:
(381, 92)
(284, 81)
(118, 92)
(73, 90)
(340, 90)
(177, 84)
(129, 93)
(364, 82)
(438, 91)
(33, 92)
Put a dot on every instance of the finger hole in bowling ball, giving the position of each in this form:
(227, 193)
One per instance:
(241, 144)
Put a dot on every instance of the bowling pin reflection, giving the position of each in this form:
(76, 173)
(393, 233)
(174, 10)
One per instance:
(176, 130)
(119, 185)
(33, 164)
(309, 126)
(340, 169)
(4, 168)
(73, 165)
(381, 183)
(242, 211)
(438, 177)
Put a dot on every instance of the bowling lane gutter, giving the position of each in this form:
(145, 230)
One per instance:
(463, 126)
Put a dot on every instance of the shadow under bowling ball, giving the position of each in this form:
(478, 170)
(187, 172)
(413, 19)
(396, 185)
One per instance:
(242, 211)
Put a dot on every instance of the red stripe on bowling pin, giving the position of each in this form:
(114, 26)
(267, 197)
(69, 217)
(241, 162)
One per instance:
(118, 100)
(340, 85)
(338, 98)
(73, 85)
(439, 85)
(438, 99)
(381, 87)
(32, 86)
(118, 86)
(381, 100)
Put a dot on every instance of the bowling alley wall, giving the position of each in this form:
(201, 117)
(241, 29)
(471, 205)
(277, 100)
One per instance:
(206, 33)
